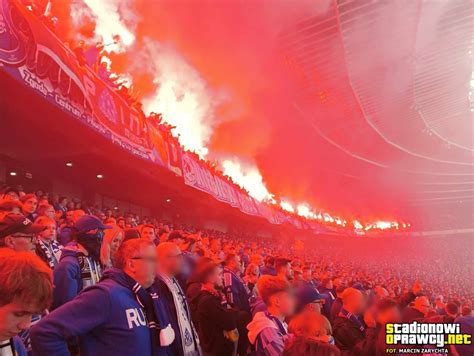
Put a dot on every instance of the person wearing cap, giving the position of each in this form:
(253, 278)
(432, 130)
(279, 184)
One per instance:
(308, 298)
(19, 233)
(79, 266)
(120, 315)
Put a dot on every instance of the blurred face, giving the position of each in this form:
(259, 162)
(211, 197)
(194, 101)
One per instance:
(70, 216)
(329, 285)
(121, 223)
(13, 319)
(359, 303)
(307, 274)
(148, 233)
(50, 213)
(115, 243)
(288, 271)
(252, 276)
(30, 205)
(314, 307)
(143, 266)
(391, 315)
(423, 305)
(216, 278)
(285, 301)
(21, 242)
(236, 265)
(50, 232)
(172, 262)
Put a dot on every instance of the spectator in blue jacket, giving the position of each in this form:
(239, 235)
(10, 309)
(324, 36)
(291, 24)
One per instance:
(170, 263)
(238, 296)
(268, 330)
(25, 289)
(79, 266)
(117, 316)
(237, 292)
(66, 229)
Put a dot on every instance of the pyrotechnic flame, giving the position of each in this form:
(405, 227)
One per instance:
(182, 95)
(287, 206)
(248, 177)
(304, 210)
(110, 21)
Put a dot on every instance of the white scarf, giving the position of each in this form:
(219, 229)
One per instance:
(189, 338)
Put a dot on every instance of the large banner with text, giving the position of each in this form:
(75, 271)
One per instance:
(33, 55)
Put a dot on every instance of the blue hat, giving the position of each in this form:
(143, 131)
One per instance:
(307, 294)
(359, 286)
(89, 222)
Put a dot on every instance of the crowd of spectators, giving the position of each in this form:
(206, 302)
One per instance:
(92, 280)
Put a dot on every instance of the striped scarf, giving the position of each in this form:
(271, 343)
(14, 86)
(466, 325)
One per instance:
(354, 318)
(146, 302)
(52, 251)
(189, 337)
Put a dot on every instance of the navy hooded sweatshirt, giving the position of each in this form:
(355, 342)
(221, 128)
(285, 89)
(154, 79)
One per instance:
(107, 319)
(67, 275)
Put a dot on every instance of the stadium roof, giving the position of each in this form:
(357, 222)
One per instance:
(384, 102)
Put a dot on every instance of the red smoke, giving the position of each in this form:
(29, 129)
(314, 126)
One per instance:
(233, 45)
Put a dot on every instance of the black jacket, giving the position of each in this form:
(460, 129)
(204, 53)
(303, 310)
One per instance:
(211, 318)
(335, 308)
(411, 314)
(351, 340)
